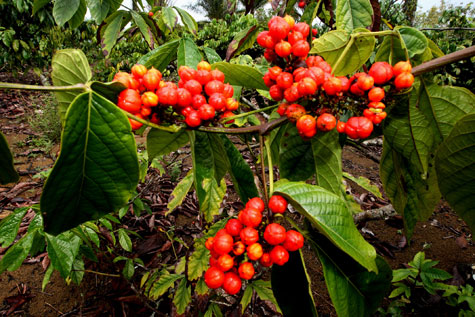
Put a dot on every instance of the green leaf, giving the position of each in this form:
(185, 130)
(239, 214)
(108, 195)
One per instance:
(38, 5)
(17, 253)
(62, 250)
(357, 54)
(9, 226)
(211, 203)
(412, 197)
(241, 173)
(402, 274)
(182, 297)
(242, 41)
(161, 142)
(114, 25)
(161, 56)
(98, 9)
(435, 50)
(456, 170)
(327, 157)
(187, 20)
(412, 39)
(292, 287)
(97, 169)
(70, 67)
(201, 287)
(77, 271)
(110, 90)
(142, 25)
(169, 17)
(124, 240)
(180, 191)
(47, 277)
(310, 12)
(246, 298)
(211, 55)
(198, 262)
(8, 174)
(213, 311)
(163, 284)
(78, 17)
(364, 183)
(352, 14)
(64, 10)
(390, 51)
(329, 214)
(188, 53)
(264, 291)
(241, 75)
(128, 270)
(296, 156)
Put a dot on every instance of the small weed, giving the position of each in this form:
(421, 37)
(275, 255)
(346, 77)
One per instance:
(45, 122)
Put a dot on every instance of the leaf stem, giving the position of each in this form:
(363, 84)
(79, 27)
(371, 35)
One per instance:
(43, 88)
(263, 168)
(270, 165)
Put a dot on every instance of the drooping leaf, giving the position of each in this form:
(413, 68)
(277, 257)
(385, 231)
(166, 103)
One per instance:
(8, 174)
(211, 55)
(188, 53)
(456, 169)
(364, 183)
(9, 226)
(187, 20)
(352, 14)
(110, 90)
(213, 311)
(327, 157)
(292, 287)
(64, 10)
(17, 253)
(169, 17)
(38, 5)
(161, 286)
(242, 41)
(241, 75)
(329, 214)
(142, 25)
(180, 191)
(77, 271)
(354, 291)
(114, 25)
(241, 173)
(128, 270)
(435, 50)
(98, 9)
(412, 39)
(390, 51)
(198, 262)
(124, 240)
(62, 251)
(97, 169)
(182, 296)
(47, 277)
(201, 287)
(161, 142)
(246, 298)
(161, 56)
(78, 17)
(69, 67)
(296, 156)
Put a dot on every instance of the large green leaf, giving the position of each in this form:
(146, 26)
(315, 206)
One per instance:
(187, 20)
(412, 39)
(241, 75)
(180, 191)
(17, 253)
(114, 25)
(169, 17)
(161, 142)
(182, 296)
(38, 5)
(412, 196)
(242, 41)
(110, 90)
(70, 67)
(354, 291)
(357, 54)
(97, 169)
(64, 10)
(9, 226)
(390, 51)
(161, 56)
(78, 17)
(327, 157)
(211, 55)
(62, 251)
(188, 53)
(241, 173)
(352, 14)
(296, 156)
(456, 168)
(8, 174)
(98, 9)
(329, 214)
(142, 25)
(292, 287)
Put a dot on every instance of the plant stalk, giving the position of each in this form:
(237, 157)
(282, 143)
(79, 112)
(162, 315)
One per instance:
(3, 85)
(263, 168)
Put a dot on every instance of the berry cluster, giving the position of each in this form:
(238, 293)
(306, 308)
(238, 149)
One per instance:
(199, 95)
(235, 247)
(308, 80)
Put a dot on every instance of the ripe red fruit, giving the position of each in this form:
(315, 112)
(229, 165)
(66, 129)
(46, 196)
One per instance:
(294, 37)
(318, 75)
(167, 96)
(345, 83)
(303, 28)
(332, 86)
(278, 28)
(233, 227)
(193, 86)
(265, 260)
(314, 32)
(402, 67)
(223, 244)
(254, 251)
(355, 90)
(225, 262)
(292, 94)
(186, 73)
(256, 203)
(138, 70)
(282, 108)
(217, 101)
(293, 240)
(382, 72)
(276, 93)
(214, 86)
(270, 55)
(209, 243)
(403, 81)
(231, 104)
(149, 99)
(183, 97)
(265, 40)
(150, 14)
(324, 66)
(145, 111)
(193, 119)
(326, 122)
(228, 91)
(123, 78)
(376, 105)
(312, 61)
(302, 4)
(307, 86)
(358, 127)
(203, 65)
(232, 283)
(249, 235)
(186, 111)
(246, 270)
(340, 126)
(279, 255)
(251, 217)
(218, 75)
(214, 277)
(307, 127)
(284, 80)
(203, 76)
(301, 48)
(365, 82)
(376, 94)
(274, 72)
(135, 124)
(294, 112)
(239, 248)
(197, 101)
(283, 48)
(277, 203)
(151, 79)
(274, 234)
(129, 100)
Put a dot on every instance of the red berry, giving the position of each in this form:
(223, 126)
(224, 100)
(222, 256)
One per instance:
(129, 100)
(358, 127)
(382, 72)
(217, 101)
(251, 217)
(254, 251)
(279, 255)
(214, 277)
(276, 93)
(274, 234)
(301, 48)
(233, 227)
(249, 235)
(239, 248)
(265, 260)
(402, 67)
(403, 81)
(326, 122)
(246, 270)
(332, 86)
(284, 80)
(223, 244)
(303, 28)
(283, 49)
(225, 262)
(203, 65)
(278, 204)
(365, 82)
(256, 203)
(203, 76)
(376, 94)
(214, 86)
(193, 86)
(293, 240)
(232, 283)
(265, 40)
(197, 101)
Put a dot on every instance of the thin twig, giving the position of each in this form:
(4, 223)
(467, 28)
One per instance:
(444, 60)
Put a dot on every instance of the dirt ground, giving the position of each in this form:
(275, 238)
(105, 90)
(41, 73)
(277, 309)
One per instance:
(444, 237)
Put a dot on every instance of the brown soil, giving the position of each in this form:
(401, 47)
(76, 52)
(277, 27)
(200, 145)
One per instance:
(444, 237)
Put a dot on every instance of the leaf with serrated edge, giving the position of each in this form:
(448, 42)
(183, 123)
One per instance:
(180, 191)
(97, 170)
(62, 251)
(182, 297)
(161, 286)
(241, 75)
(198, 262)
(161, 142)
(327, 157)
(352, 14)
(201, 287)
(214, 196)
(188, 53)
(329, 214)
(456, 170)
(9, 226)
(246, 298)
